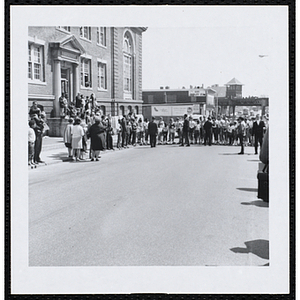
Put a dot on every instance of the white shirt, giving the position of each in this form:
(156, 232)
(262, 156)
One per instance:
(77, 131)
(31, 135)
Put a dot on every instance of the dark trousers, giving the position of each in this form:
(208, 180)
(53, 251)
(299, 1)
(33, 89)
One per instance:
(153, 140)
(207, 136)
(133, 137)
(241, 139)
(230, 136)
(257, 139)
(38, 147)
(216, 132)
(124, 142)
(109, 141)
(185, 138)
(146, 135)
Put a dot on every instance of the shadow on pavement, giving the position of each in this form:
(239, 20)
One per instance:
(258, 203)
(257, 247)
(235, 154)
(247, 189)
(62, 157)
(255, 160)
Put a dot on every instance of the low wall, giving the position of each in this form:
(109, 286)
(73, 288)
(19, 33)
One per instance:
(57, 126)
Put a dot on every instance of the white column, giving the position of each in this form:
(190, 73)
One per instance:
(71, 83)
(76, 82)
(57, 87)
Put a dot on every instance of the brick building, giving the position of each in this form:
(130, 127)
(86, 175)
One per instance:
(106, 61)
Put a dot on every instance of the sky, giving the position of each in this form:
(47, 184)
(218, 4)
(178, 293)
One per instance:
(216, 45)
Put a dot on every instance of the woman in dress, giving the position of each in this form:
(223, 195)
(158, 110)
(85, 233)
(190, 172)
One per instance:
(68, 137)
(97, 135)
(77, 134)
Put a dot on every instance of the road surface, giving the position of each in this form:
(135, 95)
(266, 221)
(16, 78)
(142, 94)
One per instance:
(163, 206)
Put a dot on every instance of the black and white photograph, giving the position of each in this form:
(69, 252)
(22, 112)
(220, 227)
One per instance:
(158, 149)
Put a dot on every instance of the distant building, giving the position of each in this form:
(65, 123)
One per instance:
(230, 96)
(234, 89)
(167, 102)
(106, 61)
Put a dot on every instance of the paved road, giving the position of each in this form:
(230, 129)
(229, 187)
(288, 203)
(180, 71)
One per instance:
(163, 206)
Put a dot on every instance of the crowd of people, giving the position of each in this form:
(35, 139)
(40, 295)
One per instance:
(132, 130)
(86, 122)
(79, 106)
(244, 131)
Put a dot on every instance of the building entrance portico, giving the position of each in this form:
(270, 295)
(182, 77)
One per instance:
(66, 54)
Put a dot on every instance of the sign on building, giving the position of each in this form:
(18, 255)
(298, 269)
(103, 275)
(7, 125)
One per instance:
(197, 92)
(161, 111)
(176, 110)
(180, 110)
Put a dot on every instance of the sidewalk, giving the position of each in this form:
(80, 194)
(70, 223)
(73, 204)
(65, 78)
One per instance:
(55, 151)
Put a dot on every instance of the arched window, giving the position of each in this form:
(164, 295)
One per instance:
(128, 63)
(136, 109)
(129, 109)
(122, 110)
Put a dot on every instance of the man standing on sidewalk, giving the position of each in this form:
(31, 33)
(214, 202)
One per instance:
(241, 132)
(152, 130)
(258, 132)
(208, 131)
(39, 138)
(185, 131)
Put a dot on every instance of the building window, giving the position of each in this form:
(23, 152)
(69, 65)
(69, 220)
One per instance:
(102, 75)
(128, 62)
(35, 62)
(173, 98)
(101, 36)
(85, 73)
(66, 28)
(85, 32)
(150, 99)
(136, 109)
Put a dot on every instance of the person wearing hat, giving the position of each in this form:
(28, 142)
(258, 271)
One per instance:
(97, 134)
(241, 133)
(152, 130)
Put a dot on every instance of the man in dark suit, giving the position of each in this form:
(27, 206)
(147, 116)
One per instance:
(185, 131)
(124, 131)
(152, 131)
(258, 132)
(208, 131)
